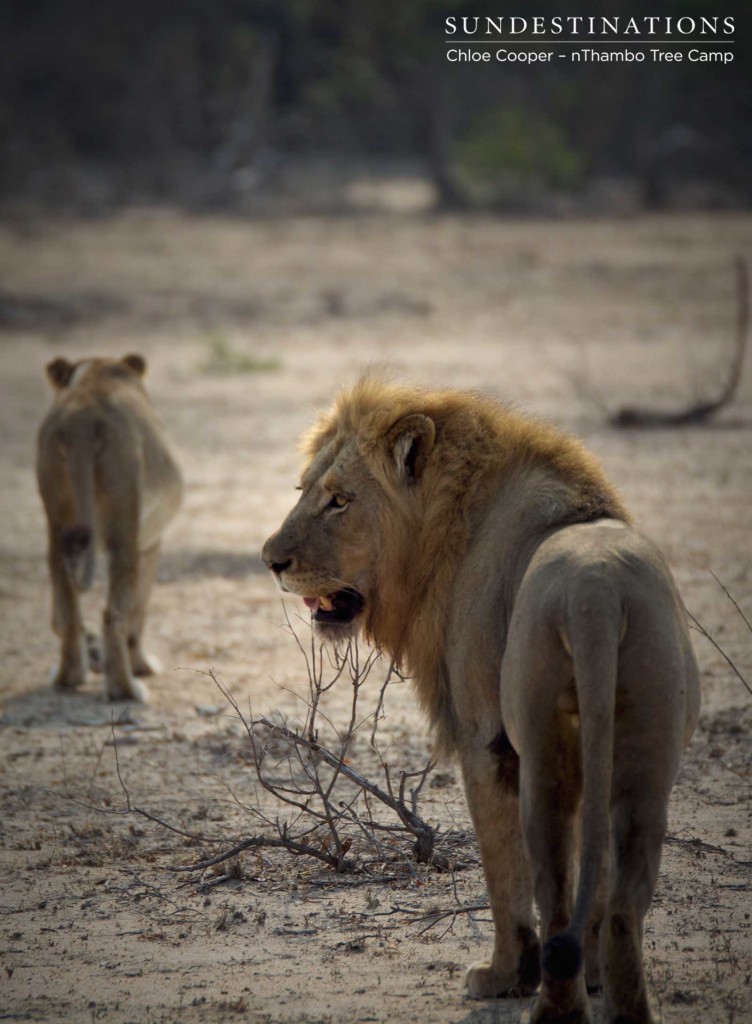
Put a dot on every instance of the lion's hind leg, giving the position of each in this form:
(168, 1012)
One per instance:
(648, 740)
(638, 827)
(550, 787)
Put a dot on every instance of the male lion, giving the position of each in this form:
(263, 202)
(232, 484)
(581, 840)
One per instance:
(105, 474)
(488, 552)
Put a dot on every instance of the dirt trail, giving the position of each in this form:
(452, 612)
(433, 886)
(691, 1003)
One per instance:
(247, 328)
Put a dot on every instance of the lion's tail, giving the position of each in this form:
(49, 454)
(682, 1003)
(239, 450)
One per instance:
(79, 541)
(594, 621)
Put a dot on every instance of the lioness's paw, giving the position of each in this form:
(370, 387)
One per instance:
(67, 678)
(485, 982)
(139, 691)
(130, 689)
(145, 665)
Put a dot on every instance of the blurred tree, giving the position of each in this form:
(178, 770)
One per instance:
(180, 99)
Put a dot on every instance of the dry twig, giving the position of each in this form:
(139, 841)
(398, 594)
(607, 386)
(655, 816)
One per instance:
(329, 804)
(308, 797)
(708, 636)
(309, 800)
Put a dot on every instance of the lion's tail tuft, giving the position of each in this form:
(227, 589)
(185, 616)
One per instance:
(562, 957)
(78, 551)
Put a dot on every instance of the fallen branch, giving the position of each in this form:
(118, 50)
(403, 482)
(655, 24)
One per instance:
(256, 843)
(631, 416)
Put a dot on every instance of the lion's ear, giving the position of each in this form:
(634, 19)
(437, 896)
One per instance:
(410, 441)
(136, 362)
(59, 372)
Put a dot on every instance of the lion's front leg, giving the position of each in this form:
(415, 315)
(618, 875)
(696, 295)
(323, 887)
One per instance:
(491, 789)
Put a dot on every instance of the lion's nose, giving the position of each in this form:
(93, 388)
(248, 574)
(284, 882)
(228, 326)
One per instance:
(275, 557)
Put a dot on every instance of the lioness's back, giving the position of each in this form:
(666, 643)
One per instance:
(107, 478)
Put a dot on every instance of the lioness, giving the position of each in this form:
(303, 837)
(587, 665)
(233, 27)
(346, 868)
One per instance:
(106, 475)
(548, 645)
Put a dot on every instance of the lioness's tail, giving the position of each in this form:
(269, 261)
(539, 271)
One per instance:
(78, 541)
(595, 629)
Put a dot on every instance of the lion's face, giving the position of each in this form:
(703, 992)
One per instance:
(328, 548)
(324, 550)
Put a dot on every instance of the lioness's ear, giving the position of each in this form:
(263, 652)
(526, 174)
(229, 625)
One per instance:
(410, 441)
(59, 372)
(136, 362)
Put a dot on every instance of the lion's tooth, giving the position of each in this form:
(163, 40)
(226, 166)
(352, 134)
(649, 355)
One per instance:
(326, 604)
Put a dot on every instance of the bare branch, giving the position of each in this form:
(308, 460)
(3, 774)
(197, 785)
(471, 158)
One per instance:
(319, 805)
(256, 842)
(379, 712)
(701, 411)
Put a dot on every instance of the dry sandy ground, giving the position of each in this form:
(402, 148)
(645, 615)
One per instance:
(248, 327)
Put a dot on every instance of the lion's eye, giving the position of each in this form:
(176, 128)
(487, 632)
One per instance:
(339, 502)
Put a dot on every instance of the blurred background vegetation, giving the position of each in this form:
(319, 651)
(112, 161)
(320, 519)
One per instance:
(230, 103)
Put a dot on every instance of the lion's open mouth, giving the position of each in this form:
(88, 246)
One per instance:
(340, 607)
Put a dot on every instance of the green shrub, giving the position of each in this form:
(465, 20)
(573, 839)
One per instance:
(223, 358)
(509, 151)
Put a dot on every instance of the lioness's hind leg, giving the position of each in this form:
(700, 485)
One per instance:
(141, 663)
(66, 622)
(119, 679)
(94, 650)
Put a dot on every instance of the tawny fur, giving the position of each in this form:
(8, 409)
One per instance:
(490, 555)
(478, 443)
(107, 478)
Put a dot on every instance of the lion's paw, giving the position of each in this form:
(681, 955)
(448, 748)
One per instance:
(483, 981)
(545, 1012)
